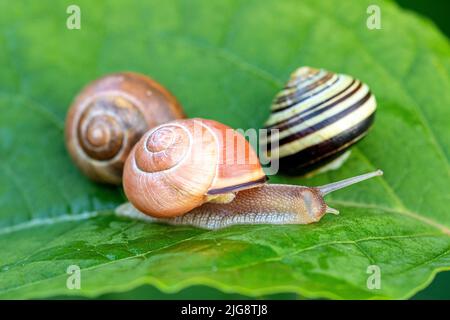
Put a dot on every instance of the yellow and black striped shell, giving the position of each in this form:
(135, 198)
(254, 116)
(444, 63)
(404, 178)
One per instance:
(319, 115)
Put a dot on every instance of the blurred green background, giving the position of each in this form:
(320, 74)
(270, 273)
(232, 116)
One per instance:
(437, 12)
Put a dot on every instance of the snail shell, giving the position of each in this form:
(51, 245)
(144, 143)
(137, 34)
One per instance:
(182, 164)
(319, 115)
(109, 116)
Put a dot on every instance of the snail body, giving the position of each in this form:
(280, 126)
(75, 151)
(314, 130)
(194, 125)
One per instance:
(266, 204)
(181, 173)
(319, 115)
(109, 116)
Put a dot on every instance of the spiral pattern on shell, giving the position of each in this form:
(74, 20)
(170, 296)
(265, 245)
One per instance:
(319, 115)
(163, 149)
(109, 116)
(177, 166)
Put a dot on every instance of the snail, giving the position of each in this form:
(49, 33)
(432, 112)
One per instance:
(109, 116)
(319, 115)
(191, 172)
(182, 164)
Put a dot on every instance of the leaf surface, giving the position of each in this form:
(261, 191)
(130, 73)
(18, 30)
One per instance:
(224, 60)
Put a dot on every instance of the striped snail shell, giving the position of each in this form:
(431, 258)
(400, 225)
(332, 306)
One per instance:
(109, 116)
(319, 115)
(182, 164)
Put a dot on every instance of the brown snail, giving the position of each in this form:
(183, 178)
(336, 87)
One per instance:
(109, 116)
(184, 172)
(319, 115)
(182, 164)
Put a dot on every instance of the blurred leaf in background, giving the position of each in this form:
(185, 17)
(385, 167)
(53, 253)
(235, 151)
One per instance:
(224, 60)
(437, 11)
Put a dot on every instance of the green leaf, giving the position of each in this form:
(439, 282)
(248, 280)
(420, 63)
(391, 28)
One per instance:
(224, 60)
